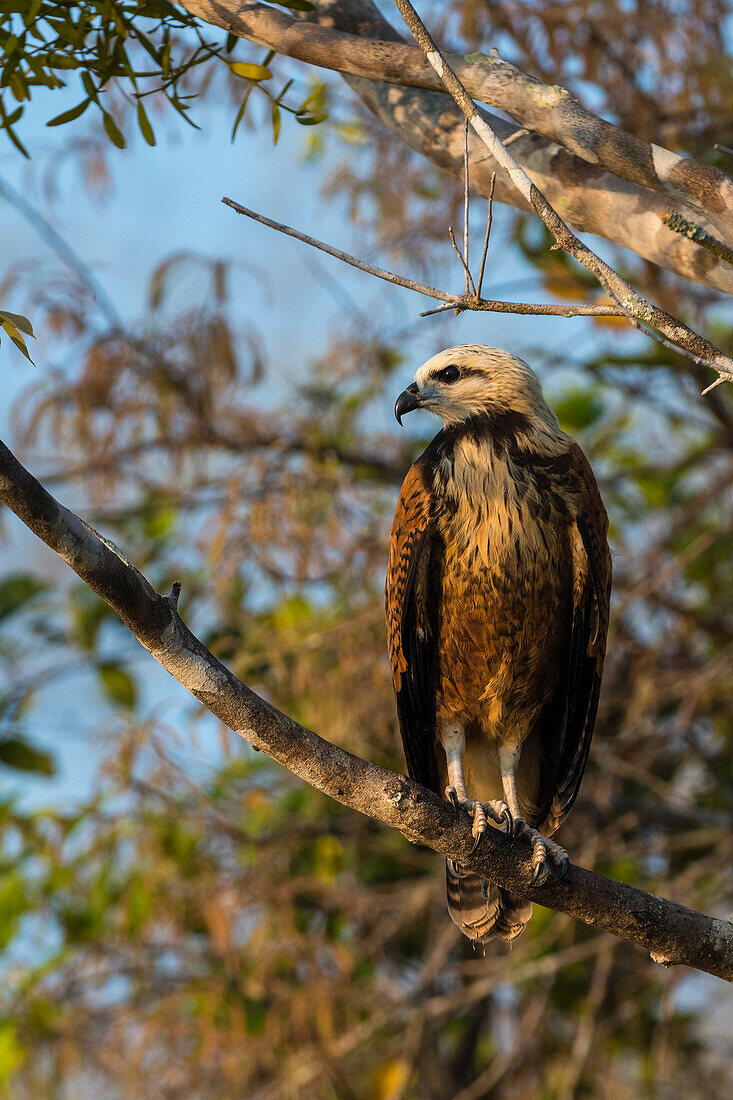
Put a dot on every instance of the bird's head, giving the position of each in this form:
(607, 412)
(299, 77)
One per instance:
(474, 380)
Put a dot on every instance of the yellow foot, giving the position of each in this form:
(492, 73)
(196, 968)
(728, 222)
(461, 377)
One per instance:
(549, 860)
(482, 812)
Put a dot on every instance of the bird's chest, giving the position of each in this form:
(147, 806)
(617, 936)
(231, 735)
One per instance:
(505, 574)
(498, 520)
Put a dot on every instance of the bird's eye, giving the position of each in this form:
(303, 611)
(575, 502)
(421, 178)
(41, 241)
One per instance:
(449, 374)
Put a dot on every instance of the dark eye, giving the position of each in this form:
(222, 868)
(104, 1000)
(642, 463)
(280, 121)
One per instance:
(449, 374)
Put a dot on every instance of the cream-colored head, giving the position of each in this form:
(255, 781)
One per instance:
(474, 380)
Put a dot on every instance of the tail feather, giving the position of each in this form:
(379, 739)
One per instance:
(483, 910)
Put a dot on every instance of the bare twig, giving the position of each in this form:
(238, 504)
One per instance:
(670, 932)
(489, 216)
(466, 202)
(520, 133)
(686, 340)
(453, 301)
(674, 221)
(174, 595)
(463, 262)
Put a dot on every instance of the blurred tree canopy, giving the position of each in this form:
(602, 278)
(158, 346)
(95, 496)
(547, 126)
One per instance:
(225, 931)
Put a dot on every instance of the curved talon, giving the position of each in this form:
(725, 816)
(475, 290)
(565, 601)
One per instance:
(518, 829)
(484, 889)
(507, 817)
(476, 842)
(537, 874)
(452, 796)
(563, 870)
(454, 869)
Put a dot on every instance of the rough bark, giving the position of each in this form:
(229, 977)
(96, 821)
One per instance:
(671, 932)
(602, 180)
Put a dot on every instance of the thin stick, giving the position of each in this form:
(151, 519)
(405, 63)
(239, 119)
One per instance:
(438, 309)
(379, 272)
(489, 217)
(460, 302)
(539, 309)
(686, 340)
(678, 224)
(465, 207)
(459, 254)
(522, 132)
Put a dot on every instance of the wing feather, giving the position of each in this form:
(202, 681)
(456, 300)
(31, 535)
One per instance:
(565, 751)
(411, 630)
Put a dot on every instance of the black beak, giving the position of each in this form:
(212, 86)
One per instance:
(407, 401)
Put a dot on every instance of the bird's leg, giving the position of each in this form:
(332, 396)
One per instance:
(541, 846)
(453, 740)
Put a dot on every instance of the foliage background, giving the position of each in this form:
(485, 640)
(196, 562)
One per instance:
(179, 917)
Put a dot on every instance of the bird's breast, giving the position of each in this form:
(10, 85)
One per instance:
(495, 515)
(504, 590)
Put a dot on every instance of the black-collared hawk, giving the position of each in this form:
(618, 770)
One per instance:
(497, 601)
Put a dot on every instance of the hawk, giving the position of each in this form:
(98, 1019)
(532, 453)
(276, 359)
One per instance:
(497, 600)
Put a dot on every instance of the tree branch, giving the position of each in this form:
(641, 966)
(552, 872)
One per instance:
(593, 200)
(643, 314)
(551, 111)
(459, 302)
(671, 932)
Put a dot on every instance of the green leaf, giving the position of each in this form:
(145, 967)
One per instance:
(19, 321)
(15, 334)
(16, 590)
(275, 123)
(89, 87)
(250, 71)
(310, 120)
(144, 123)
(16, 752)
(113, 131)
(118, 685)
(12, 136)
(71, 114)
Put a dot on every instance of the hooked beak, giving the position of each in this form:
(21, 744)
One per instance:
(408, 400)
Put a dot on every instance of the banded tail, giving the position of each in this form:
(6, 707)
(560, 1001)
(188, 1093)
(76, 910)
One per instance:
(483, 910)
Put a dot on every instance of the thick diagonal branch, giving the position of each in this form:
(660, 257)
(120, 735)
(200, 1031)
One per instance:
(672, 933)
(358, 42)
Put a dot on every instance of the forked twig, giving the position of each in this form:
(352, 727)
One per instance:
(489, 217)
(464, 264)
(465, 209)
(453, 301)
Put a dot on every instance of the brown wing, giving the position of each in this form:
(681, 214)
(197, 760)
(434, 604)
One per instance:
(569, 721)
(410, 632)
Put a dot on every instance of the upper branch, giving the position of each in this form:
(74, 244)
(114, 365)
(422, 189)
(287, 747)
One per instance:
(551, 111)
(672, 933)
(459, 302)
